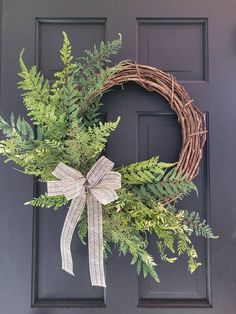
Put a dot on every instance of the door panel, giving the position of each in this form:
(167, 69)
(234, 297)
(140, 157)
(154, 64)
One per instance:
(175, 35)
(48, 41)
(195, 42)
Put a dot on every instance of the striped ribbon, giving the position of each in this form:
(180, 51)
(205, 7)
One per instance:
(96, 189)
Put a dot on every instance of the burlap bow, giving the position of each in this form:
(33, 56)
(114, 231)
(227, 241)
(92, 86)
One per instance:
(96, 189)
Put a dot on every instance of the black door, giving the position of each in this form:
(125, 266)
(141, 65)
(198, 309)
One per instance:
(194, 40)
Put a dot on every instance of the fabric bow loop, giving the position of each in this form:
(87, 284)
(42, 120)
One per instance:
(96, 189)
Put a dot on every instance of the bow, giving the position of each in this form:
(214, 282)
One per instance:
(97, 189)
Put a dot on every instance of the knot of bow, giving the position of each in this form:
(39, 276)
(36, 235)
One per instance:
(96, 189)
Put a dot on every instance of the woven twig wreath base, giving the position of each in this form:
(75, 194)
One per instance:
(191, 119)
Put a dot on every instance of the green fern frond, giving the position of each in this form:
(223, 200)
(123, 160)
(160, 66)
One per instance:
(198, 226)
(85, 145)
(144, 171)
(93, 114)
(23, 127)
(91, 73)
(102, 132)
(96, 58)
(157, 183)
(19, 137)
(37, 99)
(6, 128)
(66, 55)
(119, 231)
(48, 201)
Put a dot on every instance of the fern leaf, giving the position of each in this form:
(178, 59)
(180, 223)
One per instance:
(144, 171)
(48, 201)
(66, 56)
(200, 228)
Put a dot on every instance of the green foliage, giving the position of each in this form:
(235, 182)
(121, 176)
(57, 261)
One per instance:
(68, 128)
(90, 83)
(66, 52)
(36, 157)
(119, 230)
(153, 180)
(37, 99)
(55, 111)
(85, 145)
(171, 227)
(48, 201)
(144, 171)
(65, 92)
(21, 147)
(20, 127)
(92, 114)
(200, 228)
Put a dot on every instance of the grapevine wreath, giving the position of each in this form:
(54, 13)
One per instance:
(65, 149)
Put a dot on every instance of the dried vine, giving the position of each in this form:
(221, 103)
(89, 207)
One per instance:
(191, 119)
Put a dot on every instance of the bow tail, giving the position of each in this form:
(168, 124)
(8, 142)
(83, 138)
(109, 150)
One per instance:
(95, 242)
(73, 216)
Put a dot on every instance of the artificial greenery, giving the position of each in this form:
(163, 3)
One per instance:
(156, 180)
(68, 128)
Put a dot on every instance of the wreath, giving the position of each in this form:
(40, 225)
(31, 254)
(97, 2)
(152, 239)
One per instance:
(65, 148)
